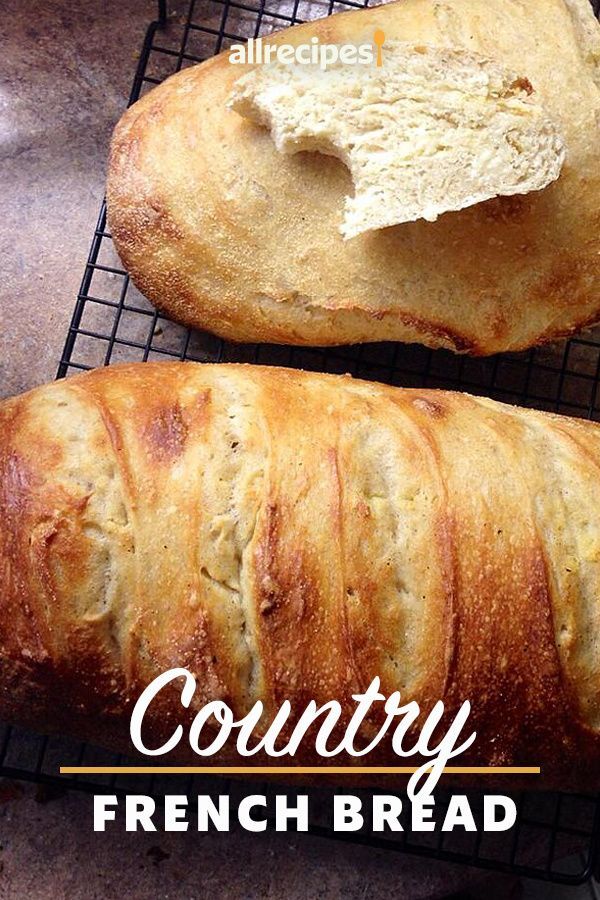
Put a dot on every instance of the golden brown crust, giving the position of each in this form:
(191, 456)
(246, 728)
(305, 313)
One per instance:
(224, 233)
(293, 535)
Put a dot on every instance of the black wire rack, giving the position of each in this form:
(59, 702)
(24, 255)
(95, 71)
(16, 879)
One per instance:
(556, 836)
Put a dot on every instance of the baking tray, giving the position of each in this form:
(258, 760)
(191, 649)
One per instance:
(557, 836)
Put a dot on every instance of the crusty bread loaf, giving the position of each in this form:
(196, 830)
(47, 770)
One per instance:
(430, 130)
(287, 535)
(223, 232)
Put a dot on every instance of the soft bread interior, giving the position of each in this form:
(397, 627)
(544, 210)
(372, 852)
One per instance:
(429, 131)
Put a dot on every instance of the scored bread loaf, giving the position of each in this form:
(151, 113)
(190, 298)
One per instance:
(430, 130)
(287, 535)
(225, 233)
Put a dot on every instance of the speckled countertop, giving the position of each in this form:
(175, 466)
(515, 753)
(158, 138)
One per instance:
(65, 72)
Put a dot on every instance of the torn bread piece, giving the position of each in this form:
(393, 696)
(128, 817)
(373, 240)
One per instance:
(429, 131)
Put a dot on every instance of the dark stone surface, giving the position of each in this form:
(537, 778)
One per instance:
(65, 74)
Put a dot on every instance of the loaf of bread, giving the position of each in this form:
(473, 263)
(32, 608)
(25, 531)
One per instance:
(223, 232)
(428, 131)
(286, 535)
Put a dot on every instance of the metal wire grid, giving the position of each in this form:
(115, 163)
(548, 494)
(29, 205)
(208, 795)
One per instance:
(113, 322)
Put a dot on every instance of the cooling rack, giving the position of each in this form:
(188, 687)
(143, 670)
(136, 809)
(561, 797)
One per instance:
(557, 836)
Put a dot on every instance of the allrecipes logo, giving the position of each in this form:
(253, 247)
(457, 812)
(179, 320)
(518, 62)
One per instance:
(255, 52)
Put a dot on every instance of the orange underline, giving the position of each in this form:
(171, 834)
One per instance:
(292, 770)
